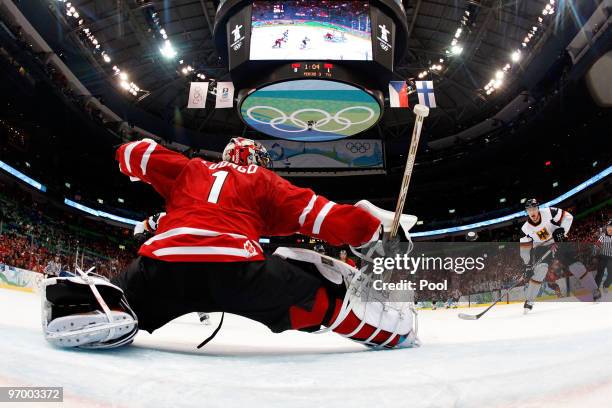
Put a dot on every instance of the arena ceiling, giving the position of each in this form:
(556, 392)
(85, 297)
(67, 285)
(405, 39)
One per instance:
(495, 29)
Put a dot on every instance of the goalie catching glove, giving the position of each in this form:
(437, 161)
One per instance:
(382, 244)
(86, 311)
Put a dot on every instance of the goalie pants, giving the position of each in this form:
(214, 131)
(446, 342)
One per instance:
(281, 294)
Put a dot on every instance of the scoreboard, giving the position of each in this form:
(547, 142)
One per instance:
(265, 34)
(308, 70)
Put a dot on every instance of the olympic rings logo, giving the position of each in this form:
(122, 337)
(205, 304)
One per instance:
(303, 126)
(358, 147)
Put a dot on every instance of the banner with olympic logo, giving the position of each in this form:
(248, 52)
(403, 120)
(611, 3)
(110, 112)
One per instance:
(310, 110)
(340, 154)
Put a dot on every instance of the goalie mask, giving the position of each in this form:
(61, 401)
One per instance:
(244, 152)
(86, 311)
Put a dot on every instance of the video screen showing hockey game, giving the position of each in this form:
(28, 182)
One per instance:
(307, 30)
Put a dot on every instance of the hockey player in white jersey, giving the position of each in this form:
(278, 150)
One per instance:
(544, 228)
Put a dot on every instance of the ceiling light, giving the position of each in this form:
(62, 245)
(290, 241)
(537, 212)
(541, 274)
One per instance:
(516, 56)
(123, 76)
(456, 49)
(168, 50)
(106, 58)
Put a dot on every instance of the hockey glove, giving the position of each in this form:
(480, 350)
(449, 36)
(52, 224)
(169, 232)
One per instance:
(146, 229)
(559, 235)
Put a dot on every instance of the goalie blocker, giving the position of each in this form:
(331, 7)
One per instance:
(294, 289)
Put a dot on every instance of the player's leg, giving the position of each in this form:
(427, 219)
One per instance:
(608, 280)
(601, 268)
(204, 318)
(271, 291)
(535, 282)
(288, 294)
(567, 255)
(159, 292)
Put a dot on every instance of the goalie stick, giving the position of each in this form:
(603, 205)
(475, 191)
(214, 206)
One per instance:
(421, 112)
(517, 283)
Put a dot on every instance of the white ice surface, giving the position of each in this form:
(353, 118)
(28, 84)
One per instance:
(263, 39)
(558, 356)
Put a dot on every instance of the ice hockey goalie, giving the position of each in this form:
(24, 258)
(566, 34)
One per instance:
(205, 256)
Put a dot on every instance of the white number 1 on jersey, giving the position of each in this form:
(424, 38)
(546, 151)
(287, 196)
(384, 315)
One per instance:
(220, 176)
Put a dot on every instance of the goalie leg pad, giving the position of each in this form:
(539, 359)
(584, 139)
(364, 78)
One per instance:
(86, 311)
(372, 321)
(89, 330)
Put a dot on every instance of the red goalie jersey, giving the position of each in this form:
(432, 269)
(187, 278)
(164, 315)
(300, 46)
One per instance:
(216, 212)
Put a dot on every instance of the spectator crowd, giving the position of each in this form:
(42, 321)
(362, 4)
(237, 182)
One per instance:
(33, 233)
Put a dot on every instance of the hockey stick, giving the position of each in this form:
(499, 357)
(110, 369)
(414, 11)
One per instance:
(517, 283)
(421, 112)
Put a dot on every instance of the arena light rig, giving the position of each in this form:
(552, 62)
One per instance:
(76, 19)
(515, 57)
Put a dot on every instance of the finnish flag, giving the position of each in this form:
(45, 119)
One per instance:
(425, 90)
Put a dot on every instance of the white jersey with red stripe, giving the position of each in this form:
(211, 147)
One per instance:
(541, 233)
(216, 212)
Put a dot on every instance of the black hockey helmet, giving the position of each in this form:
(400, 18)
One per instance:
(532, 203)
